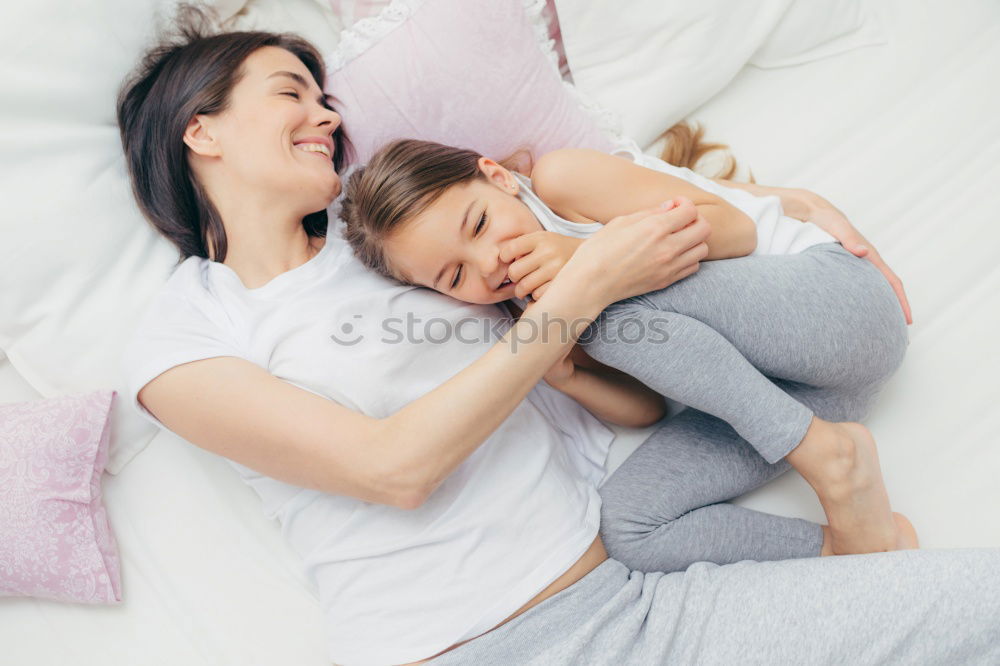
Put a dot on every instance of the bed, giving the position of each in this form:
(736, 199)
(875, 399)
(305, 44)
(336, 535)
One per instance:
(904, 137)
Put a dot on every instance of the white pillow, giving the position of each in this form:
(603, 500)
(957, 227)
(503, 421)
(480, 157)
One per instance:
(655, 61)
(813, 29)
(313, 19)
(80, 263)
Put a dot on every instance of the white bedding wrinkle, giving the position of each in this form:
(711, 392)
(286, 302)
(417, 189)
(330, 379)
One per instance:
(658, 61)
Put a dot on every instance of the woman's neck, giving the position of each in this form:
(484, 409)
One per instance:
(259, 258)
(263, 238)
(261, 246)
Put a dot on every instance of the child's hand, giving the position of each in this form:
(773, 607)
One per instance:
(561, 371)
(537, 258)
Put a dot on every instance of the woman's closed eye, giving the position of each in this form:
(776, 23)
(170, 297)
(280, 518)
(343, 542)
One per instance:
(458, 274)
(293, 94)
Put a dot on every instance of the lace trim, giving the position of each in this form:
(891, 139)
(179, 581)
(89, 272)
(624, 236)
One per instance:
(369, 31)
(607, 120)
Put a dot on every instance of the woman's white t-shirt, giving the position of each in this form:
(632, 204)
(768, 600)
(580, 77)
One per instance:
(395, 585)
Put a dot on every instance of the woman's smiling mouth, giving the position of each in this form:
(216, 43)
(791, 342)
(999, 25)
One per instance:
(315, 148)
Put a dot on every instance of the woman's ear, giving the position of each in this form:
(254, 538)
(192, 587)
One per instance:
(498, 175)
(200, 138)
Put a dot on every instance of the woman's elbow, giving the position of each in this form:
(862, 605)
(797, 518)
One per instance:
(395, 478)
(401, 488)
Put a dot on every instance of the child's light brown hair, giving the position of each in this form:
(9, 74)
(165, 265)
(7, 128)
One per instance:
(408, 175)
(401, 181)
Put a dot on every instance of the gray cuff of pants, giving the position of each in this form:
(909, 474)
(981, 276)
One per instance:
(777, 440)
(803, 539)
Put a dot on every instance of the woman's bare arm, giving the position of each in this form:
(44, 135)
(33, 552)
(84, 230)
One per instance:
(238, 410)
(810, 207)
(794, 202)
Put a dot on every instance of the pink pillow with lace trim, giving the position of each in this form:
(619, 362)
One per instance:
(55, 538)
(351, 11)
(480, 74)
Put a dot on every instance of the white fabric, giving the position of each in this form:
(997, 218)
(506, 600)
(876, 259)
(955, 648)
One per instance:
(658, 60)
(208, 579)
(67, 200)
(776, 232)
(313, 19)
(396, 585)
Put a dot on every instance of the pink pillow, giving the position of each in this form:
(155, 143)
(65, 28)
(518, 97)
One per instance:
(351, 11)
(479, 74)
(55, 539)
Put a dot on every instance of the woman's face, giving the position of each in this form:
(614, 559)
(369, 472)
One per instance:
(270, 139)
(453, 245)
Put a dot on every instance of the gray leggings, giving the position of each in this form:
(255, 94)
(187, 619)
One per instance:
(934, 607)
(756, 346)
(827, 329)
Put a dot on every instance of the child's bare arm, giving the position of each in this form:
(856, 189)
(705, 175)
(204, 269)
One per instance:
(610, 394)
(588, 185)
(605, 392)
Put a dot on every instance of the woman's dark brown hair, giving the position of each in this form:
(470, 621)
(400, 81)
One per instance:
(193, 70)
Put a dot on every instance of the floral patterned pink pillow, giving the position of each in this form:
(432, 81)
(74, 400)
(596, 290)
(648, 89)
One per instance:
(55, 538)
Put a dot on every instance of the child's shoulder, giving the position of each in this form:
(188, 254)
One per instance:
(558, 177)
(554, 166)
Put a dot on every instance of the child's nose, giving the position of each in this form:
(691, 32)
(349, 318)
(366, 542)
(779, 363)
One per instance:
(488, 258)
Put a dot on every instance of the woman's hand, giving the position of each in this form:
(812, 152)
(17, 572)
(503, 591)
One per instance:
(635, 254)
(831, 220)
(648, 250)
(810, 207)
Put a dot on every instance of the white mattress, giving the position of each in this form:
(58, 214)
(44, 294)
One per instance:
(905, 138)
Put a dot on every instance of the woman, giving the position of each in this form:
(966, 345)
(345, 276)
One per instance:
(436, 516)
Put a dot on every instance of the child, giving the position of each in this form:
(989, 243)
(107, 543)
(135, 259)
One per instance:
(789, 340)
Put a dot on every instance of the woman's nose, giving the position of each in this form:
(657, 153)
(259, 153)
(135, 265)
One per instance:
(329, 119)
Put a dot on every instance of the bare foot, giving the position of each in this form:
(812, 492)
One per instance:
(840, 462)
(906, 538)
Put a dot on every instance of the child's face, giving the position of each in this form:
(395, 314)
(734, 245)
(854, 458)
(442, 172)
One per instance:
(453, 246)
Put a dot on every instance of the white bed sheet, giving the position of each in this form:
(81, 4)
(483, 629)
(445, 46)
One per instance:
(905, 138)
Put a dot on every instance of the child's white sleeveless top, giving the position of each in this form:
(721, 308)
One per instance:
(776, 232)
